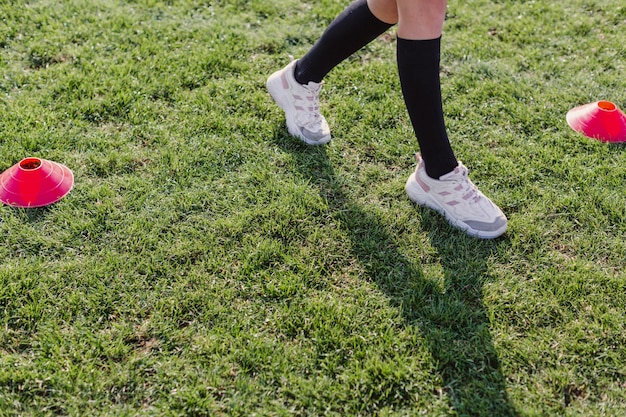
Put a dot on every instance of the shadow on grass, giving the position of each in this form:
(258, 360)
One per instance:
(453, 321)
(29, 215)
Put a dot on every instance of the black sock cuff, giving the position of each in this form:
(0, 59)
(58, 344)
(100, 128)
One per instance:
(354, 28)
(425, 45)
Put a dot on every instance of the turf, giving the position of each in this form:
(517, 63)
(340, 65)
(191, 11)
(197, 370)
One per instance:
(207, 263)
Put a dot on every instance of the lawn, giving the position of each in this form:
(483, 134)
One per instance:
(207, 263)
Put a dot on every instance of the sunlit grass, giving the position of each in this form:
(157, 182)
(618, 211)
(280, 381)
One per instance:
(206, 263)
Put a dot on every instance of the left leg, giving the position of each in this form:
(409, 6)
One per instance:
(354, 28)
(296, 87)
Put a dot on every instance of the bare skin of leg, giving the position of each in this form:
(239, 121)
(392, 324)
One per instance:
(416, 19)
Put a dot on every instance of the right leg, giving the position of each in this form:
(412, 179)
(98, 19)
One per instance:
(440, 181)
(420, 24)
(296, 87)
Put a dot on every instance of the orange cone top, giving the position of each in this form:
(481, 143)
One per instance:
(35, 182)
(601, 120)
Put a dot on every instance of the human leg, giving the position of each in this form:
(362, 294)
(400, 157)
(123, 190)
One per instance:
(421, 19)
(354, 28)
(439, 181)
(418, 56)
(384, 10)
(296, 87)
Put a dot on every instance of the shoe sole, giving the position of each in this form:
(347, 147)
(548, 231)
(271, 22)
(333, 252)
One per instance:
(423, 199)
(274, 86)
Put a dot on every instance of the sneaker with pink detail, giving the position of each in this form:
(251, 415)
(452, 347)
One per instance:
(457, 198)
(301, 106)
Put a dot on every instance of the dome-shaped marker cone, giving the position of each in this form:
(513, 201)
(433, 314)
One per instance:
(601, 120)
(35, 182)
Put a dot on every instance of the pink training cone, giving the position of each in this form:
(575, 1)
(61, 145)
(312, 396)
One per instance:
(35, 182)
(601, 120)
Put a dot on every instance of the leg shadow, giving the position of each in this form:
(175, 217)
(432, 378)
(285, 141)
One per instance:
(454, 321)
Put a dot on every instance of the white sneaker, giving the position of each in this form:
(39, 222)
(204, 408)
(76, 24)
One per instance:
(458, 199)
(301, 105)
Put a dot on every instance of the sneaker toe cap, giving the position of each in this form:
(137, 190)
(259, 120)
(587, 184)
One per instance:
(495, 228)
(314, 137)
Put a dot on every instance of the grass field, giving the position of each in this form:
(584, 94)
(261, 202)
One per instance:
(207, 263)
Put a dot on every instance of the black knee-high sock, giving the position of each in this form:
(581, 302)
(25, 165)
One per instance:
(418, 66)
(354, 28)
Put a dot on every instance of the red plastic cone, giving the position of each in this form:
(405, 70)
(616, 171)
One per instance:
(35, 182)
(601, 120)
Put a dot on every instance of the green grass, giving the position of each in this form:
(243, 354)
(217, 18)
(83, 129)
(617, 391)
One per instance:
(206, 263)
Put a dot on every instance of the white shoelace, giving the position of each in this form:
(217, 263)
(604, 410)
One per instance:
(311, 116)
(469, 191)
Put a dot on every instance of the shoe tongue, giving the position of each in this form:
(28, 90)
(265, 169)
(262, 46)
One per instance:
(313, 86)
(458, 173)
